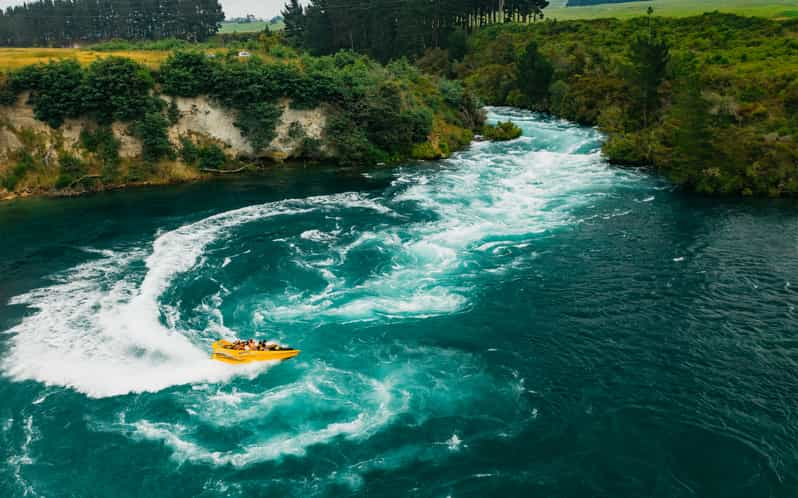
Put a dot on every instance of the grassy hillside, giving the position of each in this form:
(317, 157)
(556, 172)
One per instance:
(719, 114)
(675, 8)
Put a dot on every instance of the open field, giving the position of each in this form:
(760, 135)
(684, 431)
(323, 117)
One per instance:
(232, 27)
(676, 8)
(15, 58)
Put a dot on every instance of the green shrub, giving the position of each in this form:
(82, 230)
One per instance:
(24, 164)
(258, 123)
(187, 74)
(173, 112)
(118, 89)
(452, 91)
(189, 152)
(104, 144)
(311, 148)
(211, 157)
(72, 169)
(55, 89)
(152, 130)
(425, 151)
(296, 131)
(350, 142)
(502, 131)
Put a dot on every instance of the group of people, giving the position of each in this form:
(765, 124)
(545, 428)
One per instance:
(253, 345)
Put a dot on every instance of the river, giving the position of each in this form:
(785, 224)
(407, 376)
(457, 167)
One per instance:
(522, 319)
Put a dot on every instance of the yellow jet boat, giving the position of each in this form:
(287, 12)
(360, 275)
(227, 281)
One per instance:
(223, 351)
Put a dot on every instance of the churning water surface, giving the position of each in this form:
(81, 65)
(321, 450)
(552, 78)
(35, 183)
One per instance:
(520, 320)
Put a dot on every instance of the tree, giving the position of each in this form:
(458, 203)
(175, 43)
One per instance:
(294, 19)
(66, 22)
(535, 74)
(649, 55)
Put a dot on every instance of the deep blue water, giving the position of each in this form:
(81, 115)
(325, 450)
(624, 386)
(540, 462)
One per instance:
(520, 320)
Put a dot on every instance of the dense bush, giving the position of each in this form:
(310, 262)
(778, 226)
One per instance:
(501, 131)
(710, 100)
(117, 89)
(186, 74)
(211, 157)
(56, 90)
(258, 122)
(105, 145)
(25, 163)
(71, 170)
(189, 152)
(152, 130)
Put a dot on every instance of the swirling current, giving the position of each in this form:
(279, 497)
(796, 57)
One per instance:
(522, 319)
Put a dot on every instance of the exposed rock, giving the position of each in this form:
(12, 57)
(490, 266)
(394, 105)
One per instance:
(201, 119)
(200, 116)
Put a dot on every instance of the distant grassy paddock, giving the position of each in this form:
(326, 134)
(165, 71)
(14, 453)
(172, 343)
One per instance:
(676, 8)
(15, 58)
(250, 27)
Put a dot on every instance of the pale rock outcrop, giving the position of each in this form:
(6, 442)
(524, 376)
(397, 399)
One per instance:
(205, 118)
(201, 120)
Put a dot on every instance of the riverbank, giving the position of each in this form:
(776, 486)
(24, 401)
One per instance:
(66, 128)
(710, 101)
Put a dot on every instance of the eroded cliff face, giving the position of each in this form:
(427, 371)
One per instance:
(206, 119)
(200, 120)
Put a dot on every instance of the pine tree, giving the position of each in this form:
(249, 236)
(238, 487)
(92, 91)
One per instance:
(650, 55)
(294, 19)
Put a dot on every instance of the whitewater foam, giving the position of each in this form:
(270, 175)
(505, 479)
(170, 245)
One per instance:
(98, 329)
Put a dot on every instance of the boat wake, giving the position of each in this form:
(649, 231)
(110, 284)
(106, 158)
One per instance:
(130, 320)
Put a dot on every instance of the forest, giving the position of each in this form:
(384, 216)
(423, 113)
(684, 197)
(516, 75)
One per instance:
(60, 23)
(387, 29)
(710, 101)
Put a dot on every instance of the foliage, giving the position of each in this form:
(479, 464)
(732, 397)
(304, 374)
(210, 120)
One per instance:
(501, 131)
(258, 122)
(47, 23)
(185, 74)
(709, 100)
(25, 163)
(117, 89)
(374, 113)
(189, 152)
(388, 29)
(534, 74)
(152, 130)
(55, 90)
(211, 157)
(71, 170)
(105, 145)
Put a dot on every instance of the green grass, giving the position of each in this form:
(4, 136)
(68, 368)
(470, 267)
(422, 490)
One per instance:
(676, 8)
(250, 27)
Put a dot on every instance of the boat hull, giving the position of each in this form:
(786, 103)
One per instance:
(221, 352)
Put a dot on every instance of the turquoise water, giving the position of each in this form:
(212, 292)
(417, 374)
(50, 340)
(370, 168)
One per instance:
(520, 320)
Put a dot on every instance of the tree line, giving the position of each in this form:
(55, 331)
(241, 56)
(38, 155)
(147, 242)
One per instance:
(69, 22)
(386, 29)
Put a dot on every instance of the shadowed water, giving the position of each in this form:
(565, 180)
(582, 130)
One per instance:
(519, 320)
